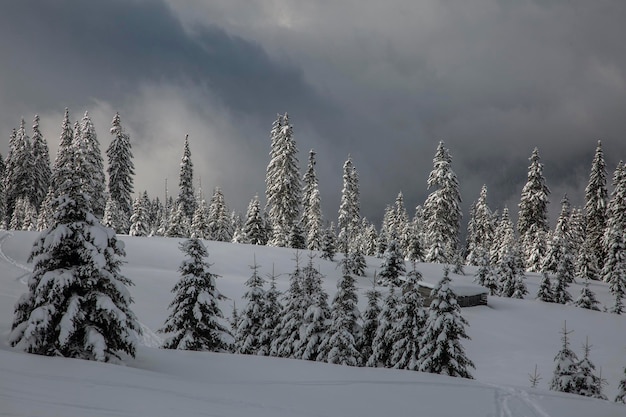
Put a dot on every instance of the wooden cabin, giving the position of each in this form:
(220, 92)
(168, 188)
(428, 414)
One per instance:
(467, 294)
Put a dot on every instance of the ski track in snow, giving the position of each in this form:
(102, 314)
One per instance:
(511, 402)
(11, 261)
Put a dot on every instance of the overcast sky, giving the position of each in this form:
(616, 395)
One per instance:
(382, 81)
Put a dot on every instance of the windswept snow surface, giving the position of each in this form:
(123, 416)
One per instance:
(508, 338)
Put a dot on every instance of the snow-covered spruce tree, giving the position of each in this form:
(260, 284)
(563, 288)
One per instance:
(415, 250)
(196, 321)
(177, 223)
(442, 210)
(311, 206)
(271, 316)
(544, 293)
(471, 231)
(566, 369)
(587, 298)
(186, 199)
(409, 328)
(485, 273)
(577, 230)
(317, 314)
(369, 238)
(393, 265)
(401, 224)
(8, 166)
(154, 208)
(166, 213)
(200, 220)
(233, 321)
(480, 230)
(329, 245)
(614, 270)
(560, 257)
(560, 294)
(349, 210)
(45, 211)
(113, 217)
(509, 266)
(621, 394)
(253, 228)
(219, 221)
(236, 227)
(2, 194)
(587, 383)
(18, 178)
(287, 336)
(121, 172)
(90, 166)
(24, 215)
(586, 263)
(282, 181)
(357, 261)
(152, 211)
(65, 153)
(596, 203)
(382, 345)
(532, 223)
(77, 304)
(296, 239)
(139, 219)
(502, 233)
(441, 349)
(41, 166)
(385, 228)
(341, 341)
(370, 324)
(249, 326)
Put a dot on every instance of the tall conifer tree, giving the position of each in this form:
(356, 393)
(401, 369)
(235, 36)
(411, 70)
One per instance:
(18, 180)
(90, 165)
(218, 218)
(282, 182)
(121, 170)
(196, 321)
(596, 203)
(614, 270)
(349, 209)
(186, 199)
(250, 324)
(41, 166)
(480, 230)
(442, 210)
(253, 229)
(409, 328)
(340, 345)
(311, 207)
(532, 223)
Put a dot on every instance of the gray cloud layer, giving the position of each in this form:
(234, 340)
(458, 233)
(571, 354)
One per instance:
(384, 81)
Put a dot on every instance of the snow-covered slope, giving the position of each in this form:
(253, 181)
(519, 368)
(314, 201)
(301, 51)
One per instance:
(508, 338)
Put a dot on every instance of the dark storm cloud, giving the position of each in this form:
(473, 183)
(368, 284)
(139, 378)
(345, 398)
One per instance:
(58, 51)
(383, 81)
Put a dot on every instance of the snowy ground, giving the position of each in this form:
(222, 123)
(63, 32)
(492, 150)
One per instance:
(508, 338)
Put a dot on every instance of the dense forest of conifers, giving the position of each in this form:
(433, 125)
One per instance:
(586, 243)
